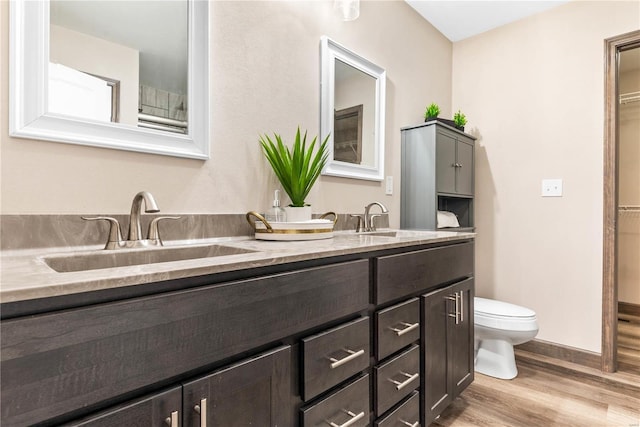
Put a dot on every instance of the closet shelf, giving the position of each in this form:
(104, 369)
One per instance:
(626, 98)
(629, 210)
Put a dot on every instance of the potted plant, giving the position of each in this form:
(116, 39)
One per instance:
(432, 112)
(459, 119)
(296, 169)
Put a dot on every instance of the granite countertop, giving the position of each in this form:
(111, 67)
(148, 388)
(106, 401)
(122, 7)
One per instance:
(25, 275)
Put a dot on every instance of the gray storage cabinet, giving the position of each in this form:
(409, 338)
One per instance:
(437, 174)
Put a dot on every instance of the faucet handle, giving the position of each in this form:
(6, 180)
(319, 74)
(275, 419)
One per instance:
(360, 222)
(154, 233)
(115, 235)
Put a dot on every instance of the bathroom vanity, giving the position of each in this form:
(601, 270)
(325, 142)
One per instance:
(362, 329)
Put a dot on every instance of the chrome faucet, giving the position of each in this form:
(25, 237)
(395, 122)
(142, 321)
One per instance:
(365, 222)
(150, 206)
(135, 239)
(368, 218)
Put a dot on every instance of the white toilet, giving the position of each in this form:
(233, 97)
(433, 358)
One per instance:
(498, 327)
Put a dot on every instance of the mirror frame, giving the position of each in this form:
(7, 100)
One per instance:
(330, 51)
(28, 77)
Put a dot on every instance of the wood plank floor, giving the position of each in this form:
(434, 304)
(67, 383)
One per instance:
(545, 396)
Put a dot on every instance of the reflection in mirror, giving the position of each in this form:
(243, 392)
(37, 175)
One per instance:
(141, 49)
(352, 113)
(130, 75)
(354, 119)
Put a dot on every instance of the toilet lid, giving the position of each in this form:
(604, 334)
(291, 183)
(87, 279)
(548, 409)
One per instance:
(490, 307)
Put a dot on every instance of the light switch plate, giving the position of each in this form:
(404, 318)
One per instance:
(389, 186)
(552, 188)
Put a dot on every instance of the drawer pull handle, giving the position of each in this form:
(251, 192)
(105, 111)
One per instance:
(401, 385)
(202, 410)
(409, 327)
(352, 355)
(172, 421)
(407, 423)
(353, 420)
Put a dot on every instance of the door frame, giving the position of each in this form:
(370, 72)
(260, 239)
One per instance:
(613, 46)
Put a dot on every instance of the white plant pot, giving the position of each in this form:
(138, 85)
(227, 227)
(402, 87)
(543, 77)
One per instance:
(295, 214)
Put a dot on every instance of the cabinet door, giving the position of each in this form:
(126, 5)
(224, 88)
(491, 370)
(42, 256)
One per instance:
(436, 383)
(445, 163)
(464, 178)
(158, 410)
(448, 345)
(256, 392)
(461, 361)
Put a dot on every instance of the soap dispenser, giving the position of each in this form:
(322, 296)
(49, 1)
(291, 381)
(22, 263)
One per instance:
(276, 213)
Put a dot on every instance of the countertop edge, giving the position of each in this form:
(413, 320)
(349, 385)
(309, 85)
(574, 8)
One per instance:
(25, 276)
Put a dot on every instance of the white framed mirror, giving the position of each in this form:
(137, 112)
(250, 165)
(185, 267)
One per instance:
(41, 83)
(352, 111)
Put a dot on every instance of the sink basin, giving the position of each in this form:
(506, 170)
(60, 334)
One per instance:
(110, 259)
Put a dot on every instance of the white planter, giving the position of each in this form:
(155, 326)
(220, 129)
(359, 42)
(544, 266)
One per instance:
(295, 214)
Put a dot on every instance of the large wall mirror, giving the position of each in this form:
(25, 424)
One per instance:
(129, 75)
(352, 112)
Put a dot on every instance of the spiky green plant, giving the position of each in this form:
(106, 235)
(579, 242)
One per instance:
(296, 170)
(459, 119)
(432, 111)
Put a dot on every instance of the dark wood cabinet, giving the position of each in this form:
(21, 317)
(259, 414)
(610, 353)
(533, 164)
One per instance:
(437, 174)
(159, 409)
(347, 406)
(333, 356)
(255, 392)
(78, 358)
(447, 339)
(357, 340)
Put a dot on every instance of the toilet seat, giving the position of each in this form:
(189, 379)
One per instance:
(502, 315)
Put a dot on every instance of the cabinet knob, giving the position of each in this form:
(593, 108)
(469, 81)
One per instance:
(407, 423)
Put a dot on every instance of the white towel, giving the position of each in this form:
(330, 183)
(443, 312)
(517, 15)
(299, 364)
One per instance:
(447, 219)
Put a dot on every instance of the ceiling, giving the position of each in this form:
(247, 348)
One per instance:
(458, 20)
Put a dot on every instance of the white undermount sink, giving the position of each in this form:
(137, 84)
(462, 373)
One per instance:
(127, 258)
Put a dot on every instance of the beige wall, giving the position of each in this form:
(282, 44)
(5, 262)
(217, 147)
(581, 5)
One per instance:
(533, 93)
(629, 187)
(264, 78)
(101, 58)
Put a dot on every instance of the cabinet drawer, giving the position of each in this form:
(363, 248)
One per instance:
(397, 327)
(405, 415)
(404, 274)
(396, 379)
(343, 406)
(333, 356)
(106, 350)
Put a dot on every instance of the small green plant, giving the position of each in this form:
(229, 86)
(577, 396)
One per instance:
(296, 170)
(459, 119)
(432, 111)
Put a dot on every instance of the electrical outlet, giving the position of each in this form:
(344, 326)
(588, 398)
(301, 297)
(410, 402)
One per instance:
(389, 186)
(552, 188)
